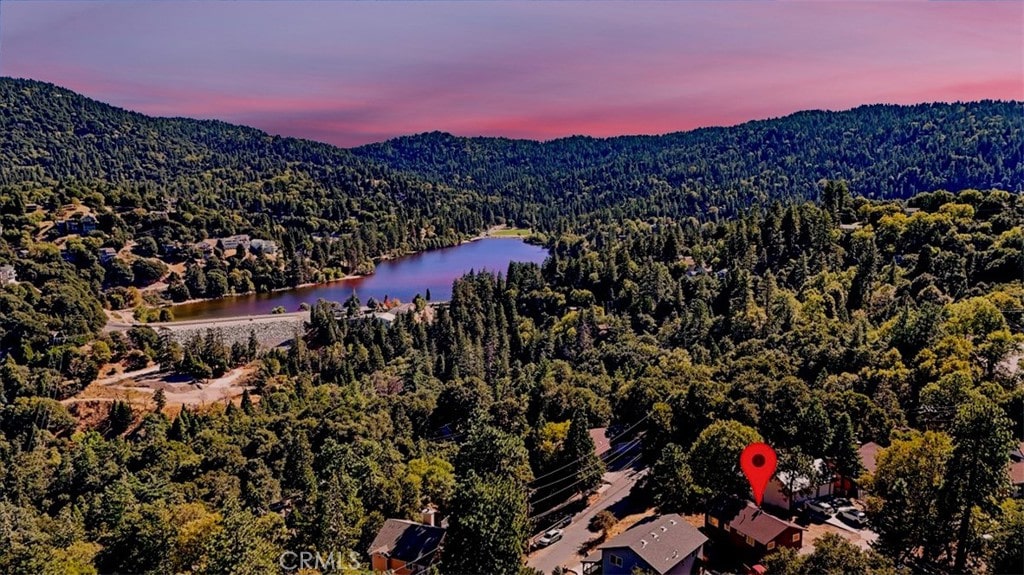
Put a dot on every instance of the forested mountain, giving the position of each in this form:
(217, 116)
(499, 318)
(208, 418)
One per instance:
(56, 146)
(812, 325)
(883, 151)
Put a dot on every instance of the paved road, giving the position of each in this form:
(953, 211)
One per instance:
(213, 323)
(564, 552)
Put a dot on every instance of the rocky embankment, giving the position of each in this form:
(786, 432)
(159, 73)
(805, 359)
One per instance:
(271, 330)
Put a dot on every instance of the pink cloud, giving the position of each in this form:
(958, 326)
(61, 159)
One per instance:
(351, 73)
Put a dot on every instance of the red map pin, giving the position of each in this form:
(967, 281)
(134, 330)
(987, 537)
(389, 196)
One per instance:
(758, 462)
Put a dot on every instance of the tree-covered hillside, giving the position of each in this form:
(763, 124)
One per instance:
(692, 339)
(57, 146)
(883, 151)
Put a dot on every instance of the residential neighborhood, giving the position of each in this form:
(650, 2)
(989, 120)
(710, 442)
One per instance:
(666, 545)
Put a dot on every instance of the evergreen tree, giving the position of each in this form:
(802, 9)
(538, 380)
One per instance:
(843, 451)
(671, 482)
(160, 400)
(977, 469)
(580, 455)
(488, 527)
(339, 514)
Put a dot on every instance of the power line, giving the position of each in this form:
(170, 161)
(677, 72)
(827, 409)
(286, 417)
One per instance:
(630, 462)
(610, 441)
(612, 453)
(578, 481)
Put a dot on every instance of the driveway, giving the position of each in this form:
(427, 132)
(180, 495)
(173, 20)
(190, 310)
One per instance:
(618, 485)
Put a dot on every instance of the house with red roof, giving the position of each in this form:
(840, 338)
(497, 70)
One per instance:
(751, 532)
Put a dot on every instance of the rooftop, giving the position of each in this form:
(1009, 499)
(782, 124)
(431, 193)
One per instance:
(662, 543)
(748, 520)
(802, 482)
(869, 455)
(406, 540)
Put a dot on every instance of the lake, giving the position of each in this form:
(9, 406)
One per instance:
(402, 278)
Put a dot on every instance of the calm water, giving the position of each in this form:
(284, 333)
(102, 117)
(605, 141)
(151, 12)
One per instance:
(402, 278)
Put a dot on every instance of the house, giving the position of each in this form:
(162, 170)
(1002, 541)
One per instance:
(8, 275)
(384, 316)
(869, 456)
(668, 544)
(869, 459)
(235, 242)
(87, 224)
(851, 227)
(68, 226)
(106, 254)
(204, 249)
(786, 490)
(405, 547)
(1017, 470)
(750, 531)
(263, 246)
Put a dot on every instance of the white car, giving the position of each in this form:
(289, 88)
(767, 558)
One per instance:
(819, 507)
(854, 517)
(549, 537)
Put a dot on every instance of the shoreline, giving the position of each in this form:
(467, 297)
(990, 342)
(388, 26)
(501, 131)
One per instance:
(173, 305)
(481, 236)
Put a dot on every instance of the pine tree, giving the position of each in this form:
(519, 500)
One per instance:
(488, 527)
(298, 468)
(843, 450)
(160, 399)
(894, 523)
(119, 417)
(340, 514)
(579, 451)
(246, 403)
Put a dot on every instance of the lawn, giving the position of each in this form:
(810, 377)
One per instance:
(511, 232)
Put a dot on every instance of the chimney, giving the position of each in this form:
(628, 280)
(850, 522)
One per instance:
(428, 514)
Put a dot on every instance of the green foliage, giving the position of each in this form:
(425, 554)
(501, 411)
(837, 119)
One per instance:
(602, 521)
(681, 303)
(671, 481)
(488, 527)
(832, 555)
(714, 458)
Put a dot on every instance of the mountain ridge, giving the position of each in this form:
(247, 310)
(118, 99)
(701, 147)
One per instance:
(52, 134)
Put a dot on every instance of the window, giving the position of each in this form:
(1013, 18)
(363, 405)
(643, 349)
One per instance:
(713, 521)
(796, 537)
(771, 545)
(615, 560)
(750, 540)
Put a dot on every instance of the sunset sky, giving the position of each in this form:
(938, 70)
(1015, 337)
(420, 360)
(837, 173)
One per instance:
(350, 73)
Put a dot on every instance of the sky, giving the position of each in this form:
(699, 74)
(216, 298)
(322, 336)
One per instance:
(351, 73)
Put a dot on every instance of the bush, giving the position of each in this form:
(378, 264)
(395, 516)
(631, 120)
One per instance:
(136, 360)
(602, 522)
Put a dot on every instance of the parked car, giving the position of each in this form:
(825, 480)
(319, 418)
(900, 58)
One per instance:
(819, 509)
(564, 522)
(854, 517)
(549, 538)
